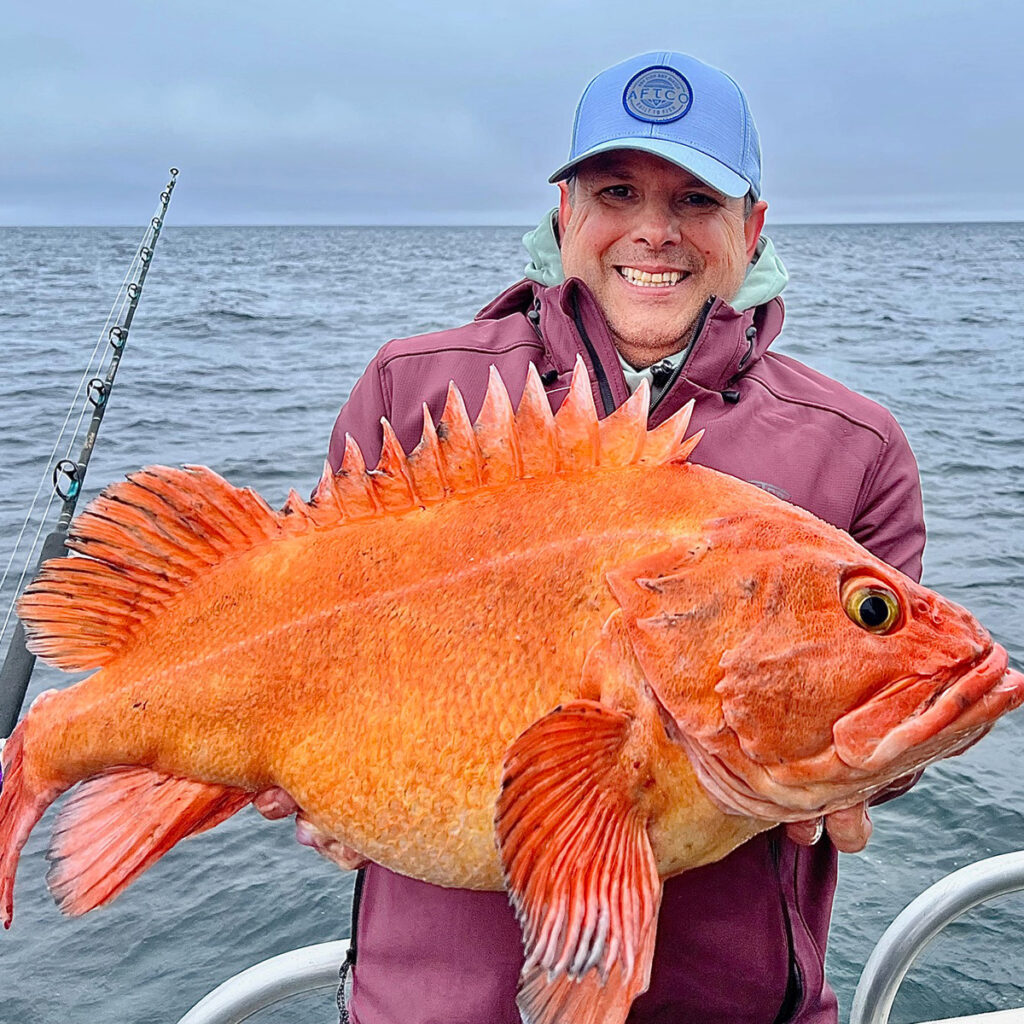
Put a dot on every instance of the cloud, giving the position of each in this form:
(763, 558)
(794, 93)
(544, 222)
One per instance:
(399, 113)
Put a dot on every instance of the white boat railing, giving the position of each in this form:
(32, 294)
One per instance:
(290, 974)
(316, 967)
(920, 922)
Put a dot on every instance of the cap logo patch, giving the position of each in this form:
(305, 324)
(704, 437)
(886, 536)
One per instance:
(657, 95)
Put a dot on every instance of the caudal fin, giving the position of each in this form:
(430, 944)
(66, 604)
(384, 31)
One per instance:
(114, 827)
(20, 809)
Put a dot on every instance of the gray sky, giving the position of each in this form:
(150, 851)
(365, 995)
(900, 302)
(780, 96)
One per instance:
(408, 113)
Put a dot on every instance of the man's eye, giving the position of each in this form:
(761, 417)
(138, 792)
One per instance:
(699, 199)
(617, 191)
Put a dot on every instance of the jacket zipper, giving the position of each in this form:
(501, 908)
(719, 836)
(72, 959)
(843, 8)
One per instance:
(702, 319)
(357, 895)
(599, 372)
(794, 996)
(602, 378)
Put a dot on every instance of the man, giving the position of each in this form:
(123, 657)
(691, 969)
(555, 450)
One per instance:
(668, 277)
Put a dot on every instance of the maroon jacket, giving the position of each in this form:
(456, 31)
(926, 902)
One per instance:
(741, 941)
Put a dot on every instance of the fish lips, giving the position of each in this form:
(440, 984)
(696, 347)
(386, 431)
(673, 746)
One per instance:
(916, 720)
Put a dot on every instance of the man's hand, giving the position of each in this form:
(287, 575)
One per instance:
(849, 829)
(275, 803)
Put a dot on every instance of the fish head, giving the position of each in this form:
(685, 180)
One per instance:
(801, 673)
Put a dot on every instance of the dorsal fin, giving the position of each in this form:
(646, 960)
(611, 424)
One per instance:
(149, 536)
(458, 457)
(145, 538)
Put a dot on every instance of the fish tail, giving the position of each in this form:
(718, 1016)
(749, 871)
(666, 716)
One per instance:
(21, 806)
(118, 822)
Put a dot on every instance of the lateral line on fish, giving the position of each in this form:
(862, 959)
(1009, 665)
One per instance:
(423, 584)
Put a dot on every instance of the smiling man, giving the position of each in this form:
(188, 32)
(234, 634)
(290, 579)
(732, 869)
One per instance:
(654, 266)
(653, 243)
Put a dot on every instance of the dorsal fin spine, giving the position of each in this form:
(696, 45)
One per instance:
(460, 452)
(686, 448)
(579, 434)
(327, 495)
(391, 479)
(661, 444)
(426, 464)
(358, 492)
(535, 425)
(496, 433)
(148, 537)
(624, 431)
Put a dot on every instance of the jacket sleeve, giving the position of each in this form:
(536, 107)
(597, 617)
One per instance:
(889, 520)
(360, 416)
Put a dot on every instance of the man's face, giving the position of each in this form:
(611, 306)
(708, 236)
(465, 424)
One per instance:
(635, 214)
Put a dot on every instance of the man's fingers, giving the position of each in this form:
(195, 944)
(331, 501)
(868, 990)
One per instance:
(849, 829)
(275, 803)
(327, 846)
(806, 833)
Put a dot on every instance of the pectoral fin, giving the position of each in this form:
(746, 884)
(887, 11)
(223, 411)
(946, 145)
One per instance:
(572, 834)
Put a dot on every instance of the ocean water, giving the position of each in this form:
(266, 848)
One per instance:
(246, 343)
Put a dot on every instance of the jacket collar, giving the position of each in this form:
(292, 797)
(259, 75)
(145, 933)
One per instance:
(731, 342)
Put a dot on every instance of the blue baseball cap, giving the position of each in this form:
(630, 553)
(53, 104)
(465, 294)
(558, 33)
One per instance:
(675, 107)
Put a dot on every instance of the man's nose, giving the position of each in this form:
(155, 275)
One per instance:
(657, 225)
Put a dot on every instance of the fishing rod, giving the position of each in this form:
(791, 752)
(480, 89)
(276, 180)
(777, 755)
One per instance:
(68, 474)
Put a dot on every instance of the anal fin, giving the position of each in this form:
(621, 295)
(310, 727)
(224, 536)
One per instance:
(117, 824)
(578, 864)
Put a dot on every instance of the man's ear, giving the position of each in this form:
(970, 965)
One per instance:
(564, 208)
(753, 225)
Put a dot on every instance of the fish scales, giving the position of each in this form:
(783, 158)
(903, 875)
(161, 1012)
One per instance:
(541, 653)
(424, 620)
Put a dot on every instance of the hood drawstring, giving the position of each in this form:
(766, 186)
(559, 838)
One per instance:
(730, 394)
(751, 336)
(533, 315)
(548, 377)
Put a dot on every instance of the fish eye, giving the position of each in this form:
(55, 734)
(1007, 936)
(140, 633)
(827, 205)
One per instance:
(872, 605)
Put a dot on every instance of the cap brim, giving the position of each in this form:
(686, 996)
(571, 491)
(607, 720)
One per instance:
(699, 164)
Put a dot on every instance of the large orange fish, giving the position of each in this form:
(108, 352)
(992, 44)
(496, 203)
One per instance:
(542, 653)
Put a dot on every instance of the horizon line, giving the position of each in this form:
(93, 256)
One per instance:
(527, 225)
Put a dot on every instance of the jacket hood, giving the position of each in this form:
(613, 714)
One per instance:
(765, 280)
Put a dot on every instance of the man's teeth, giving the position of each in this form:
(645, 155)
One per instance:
(642, 277)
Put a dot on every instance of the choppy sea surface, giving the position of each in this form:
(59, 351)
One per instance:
(247, 341)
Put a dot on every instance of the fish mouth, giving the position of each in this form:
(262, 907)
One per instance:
(913, 721)
(905, 727)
